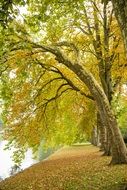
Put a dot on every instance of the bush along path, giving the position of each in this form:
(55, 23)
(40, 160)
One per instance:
(71, 168)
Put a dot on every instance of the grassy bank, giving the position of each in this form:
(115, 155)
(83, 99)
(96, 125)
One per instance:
(73, 168)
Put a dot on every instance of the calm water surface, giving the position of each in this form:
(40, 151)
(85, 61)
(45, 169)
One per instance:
(6, 162)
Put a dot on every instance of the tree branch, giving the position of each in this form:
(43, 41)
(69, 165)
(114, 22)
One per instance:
(69, 44)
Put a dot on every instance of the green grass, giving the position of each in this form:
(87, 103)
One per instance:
(71, 168)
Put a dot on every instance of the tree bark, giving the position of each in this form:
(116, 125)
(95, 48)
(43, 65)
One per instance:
(95, 136)
(108, 151)
(104, 140)
(120, 9)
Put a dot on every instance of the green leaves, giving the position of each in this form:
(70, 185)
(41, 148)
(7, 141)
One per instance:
(18, 156)
(119, 104)
(9, 10)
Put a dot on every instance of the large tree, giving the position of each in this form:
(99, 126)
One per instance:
(54, 55)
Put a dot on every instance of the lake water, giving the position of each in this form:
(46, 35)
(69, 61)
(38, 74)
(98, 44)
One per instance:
(6, 162)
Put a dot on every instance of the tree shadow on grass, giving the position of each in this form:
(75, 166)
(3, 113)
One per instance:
(121, 186)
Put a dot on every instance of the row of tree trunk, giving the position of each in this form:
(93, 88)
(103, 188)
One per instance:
(108, 143)
(100, 137)
(111, 137)
(107, 131)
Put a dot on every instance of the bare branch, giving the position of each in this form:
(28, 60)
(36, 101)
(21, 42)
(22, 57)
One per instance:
(110, 19)
(45, 85)
(70, 83)
(42, 74)
(84, 31)
(48, 101)
(88, 24)
(74, 87)
(97, 9)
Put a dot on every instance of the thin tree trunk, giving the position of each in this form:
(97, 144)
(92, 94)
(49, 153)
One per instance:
(104, 65)
(104, 137)
(95, 136)
(108, 144)
(102, 132)
(120, 9)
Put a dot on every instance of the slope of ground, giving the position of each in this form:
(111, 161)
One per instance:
(73, 168)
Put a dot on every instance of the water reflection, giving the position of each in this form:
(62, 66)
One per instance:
(6, 162)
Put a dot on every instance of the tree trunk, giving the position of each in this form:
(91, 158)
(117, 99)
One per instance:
(108, 144)
(95, 136)
(119, 151)
(118, 148)
(102, 133)
(104, 65)
(120, 9)
(104, 137)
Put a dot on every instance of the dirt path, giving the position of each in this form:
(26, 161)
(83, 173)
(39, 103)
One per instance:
(73, 168)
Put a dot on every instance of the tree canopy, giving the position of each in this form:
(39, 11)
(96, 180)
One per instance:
(61, 58)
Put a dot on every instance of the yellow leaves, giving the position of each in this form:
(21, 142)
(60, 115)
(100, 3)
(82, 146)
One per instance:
(52, 61)
(20, 54)
(26, 86)
(22, 94)
(19, 96)
(16, 56)
(17, 109)
(81, 39)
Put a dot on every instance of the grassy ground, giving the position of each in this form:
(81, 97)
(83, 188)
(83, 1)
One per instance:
(73, 168)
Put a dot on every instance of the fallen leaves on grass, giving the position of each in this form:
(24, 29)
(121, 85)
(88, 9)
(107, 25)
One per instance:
(73, 168)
